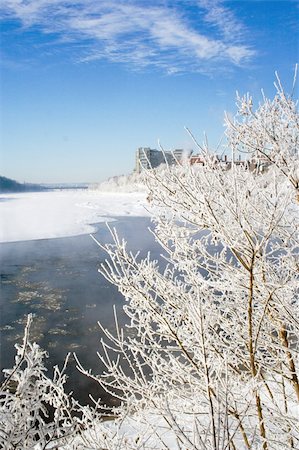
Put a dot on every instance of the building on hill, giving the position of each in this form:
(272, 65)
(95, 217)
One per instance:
(259, 162)
(148, 158)
(196, 159)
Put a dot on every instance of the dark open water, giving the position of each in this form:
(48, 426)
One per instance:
(58, 281)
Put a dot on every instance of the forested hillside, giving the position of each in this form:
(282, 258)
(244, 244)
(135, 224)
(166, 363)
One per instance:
(8, 185)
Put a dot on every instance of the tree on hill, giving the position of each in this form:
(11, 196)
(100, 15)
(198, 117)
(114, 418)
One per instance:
(210, 357)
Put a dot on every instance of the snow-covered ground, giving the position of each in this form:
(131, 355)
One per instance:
(52, 214)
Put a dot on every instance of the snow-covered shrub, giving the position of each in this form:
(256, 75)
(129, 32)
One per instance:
(123, 183)
(210, 359)
(34, 409)
(268, 134)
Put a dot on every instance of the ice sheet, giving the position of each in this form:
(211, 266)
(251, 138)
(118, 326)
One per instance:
(52, 214)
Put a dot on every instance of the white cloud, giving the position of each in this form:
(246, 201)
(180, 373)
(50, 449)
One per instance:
(138, 33)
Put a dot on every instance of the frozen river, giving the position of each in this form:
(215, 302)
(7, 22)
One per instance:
(53, 214)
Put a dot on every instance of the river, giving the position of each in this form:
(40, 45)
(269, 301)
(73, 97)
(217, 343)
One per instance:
(58, 281)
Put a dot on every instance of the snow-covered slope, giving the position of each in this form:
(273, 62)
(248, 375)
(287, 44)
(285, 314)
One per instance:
(122, 183)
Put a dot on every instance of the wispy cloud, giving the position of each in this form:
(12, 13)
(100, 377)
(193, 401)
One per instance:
(140, 33)
(222, 18)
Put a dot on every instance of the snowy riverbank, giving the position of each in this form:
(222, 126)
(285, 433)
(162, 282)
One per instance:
(52, 214)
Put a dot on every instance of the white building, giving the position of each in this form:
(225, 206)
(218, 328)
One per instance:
(148, 158)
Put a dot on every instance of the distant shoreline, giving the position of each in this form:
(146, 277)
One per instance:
(10, 186)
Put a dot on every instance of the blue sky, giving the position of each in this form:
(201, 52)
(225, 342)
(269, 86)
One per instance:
(86, 82)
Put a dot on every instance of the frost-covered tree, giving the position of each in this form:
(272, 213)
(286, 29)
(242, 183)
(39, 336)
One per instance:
(210, 357)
